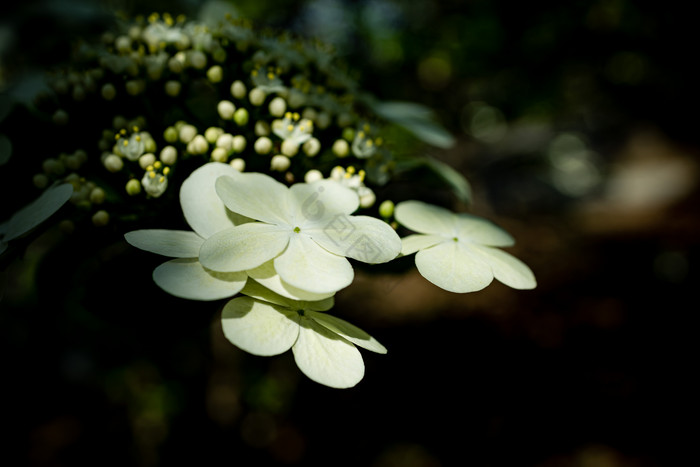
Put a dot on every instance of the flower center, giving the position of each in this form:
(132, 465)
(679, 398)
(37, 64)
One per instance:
(455, 239)
(297, 230)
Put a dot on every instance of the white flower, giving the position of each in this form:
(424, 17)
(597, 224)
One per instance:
(456, 251)
(306, 229)
(184, 276)
(264, 323)
(293, 130)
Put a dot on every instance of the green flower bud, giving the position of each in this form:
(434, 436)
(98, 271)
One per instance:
(226, 109)
(277, 107)
(238, 164)
(386, 209)
(238, 89)
(168, 155)
(313, 175)
(263, 145)
(219, 155)
(279, 163)
(241, 117)
(341, 148)
(147, 159)
(171, 134)
(97, 195)
(100, 218)
(238, 143)
(108, 91)
(173, 88)
(215, 74)
(257, 96)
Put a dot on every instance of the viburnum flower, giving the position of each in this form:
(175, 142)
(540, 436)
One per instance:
(184, 276)
(457, 251)
(264, 323)
(306, 229)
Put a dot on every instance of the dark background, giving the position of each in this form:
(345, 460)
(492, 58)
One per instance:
(590, 369)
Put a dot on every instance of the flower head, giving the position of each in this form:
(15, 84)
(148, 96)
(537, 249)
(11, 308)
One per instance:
(457, 251)
(306, 230)
(264, 323)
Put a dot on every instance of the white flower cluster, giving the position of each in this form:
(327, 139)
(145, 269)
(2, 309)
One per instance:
(286, 249)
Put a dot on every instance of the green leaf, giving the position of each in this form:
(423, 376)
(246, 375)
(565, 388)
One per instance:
(417, 119)
(460, 186)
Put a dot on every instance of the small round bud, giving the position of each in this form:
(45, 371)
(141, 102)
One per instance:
(323, 119)
(289, 148)
(262, 128)
(197, 59)
(78, 93)
(100, 218)
(241, 117)
(177, 63)
(40, 181)
(219, 155)
(134, 87)
(53, 167)
(215, 74)
(60, 117)
(341, 148)
(257, 96)
(212, 133)
(171, 134)
(263, 145)
(108, 91)
(198, 145)
(147, 159)
(280, 163)
(348, 134)
(277, 107)
(238, 143)
(97, 195)
(187, 133)
(168, 155)
(386, 209)
(123, 44)
(311, 147)
(313, 175)
(225, 141)
(367, 198)
(226, 109)
(238, 164)
(149, 144)
(113, 163)
(173, 88)
(238, 89)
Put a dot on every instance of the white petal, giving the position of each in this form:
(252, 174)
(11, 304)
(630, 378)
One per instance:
(413, 243)
(38, 211)
(363, 238)
(508, 269)
(351, 332)
(202, 207)
(243, 247)
(266, 275)
(454, 267)
(305, 265)
(259, 328)
(187, 278)
(327, 358)
(425, 218)
(480, 230)
(255, 195)
(317, 200)
(173, 243)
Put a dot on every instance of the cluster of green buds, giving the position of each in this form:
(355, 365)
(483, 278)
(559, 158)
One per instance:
(163, 91)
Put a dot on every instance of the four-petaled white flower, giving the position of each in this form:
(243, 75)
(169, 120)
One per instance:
(264, 323)
(307, 231)
(184, 276)
(456, 251)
